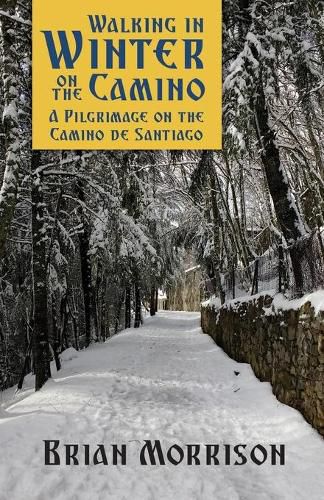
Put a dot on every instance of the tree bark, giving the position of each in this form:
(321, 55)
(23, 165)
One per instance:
(41, 351)
(128, 318)
(156, 300)
(138, 306)
(86, 270)
(287, 213)
(208, 162)
(152, 302)
(8, 192)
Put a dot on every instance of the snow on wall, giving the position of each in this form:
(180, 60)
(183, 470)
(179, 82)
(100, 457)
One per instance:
(279, 303)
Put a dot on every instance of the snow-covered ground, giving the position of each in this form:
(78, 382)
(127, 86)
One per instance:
(165, 381)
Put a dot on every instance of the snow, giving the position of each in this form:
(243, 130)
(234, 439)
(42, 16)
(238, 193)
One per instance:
(15, 18)
(69, 354)
(10, 111)
(279, 303)
(164, 381)
(195, 268)
(316, 300)
(214, 302)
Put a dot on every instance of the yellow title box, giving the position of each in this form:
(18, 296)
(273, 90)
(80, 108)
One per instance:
(127, 74)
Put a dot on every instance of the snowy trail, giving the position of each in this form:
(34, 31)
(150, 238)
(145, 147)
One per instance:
(165, 381)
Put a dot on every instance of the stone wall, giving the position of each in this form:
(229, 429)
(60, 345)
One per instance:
(284, 347)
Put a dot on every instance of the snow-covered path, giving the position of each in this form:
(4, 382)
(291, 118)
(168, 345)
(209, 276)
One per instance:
(165, 381)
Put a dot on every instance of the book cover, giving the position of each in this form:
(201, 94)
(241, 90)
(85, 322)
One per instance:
(161, 250)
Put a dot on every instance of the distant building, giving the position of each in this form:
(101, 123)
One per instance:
(162, 301)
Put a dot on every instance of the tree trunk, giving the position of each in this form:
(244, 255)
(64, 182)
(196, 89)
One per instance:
(152, 302)
(287, 213)
(128, 311)
(8, 192)
(118, 309)
(86, 271)
(156, 300)
(208, 162)
(138, 306)
(73, 314)
(56, 338)
(41, 351)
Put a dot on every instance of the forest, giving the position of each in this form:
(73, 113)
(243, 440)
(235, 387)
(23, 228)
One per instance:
(87, 239)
